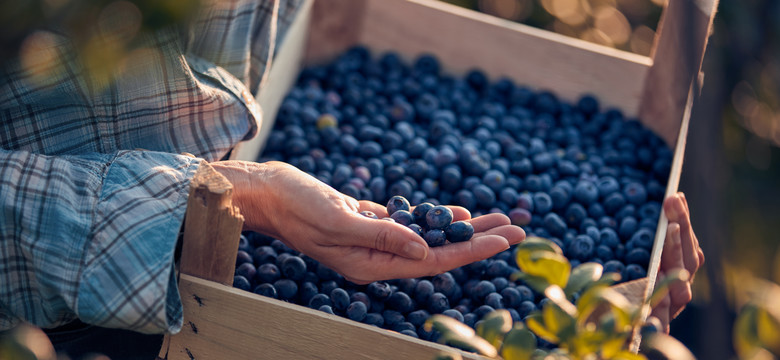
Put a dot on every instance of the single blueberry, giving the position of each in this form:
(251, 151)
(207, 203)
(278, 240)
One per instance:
(400, 301)
(438, 303)
(459, 231)
(435, 237)
(375, 319)
(286, 288)
(581, 248)
(357, 311)
(379, 291)
(542, 203)
(403, 217)
(439, 217)
(633, 272)
(266, 290)
(397, 203)
(241, 282)
(268, 273)
(294, 268)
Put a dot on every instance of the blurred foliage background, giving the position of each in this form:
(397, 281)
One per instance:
(731, 174)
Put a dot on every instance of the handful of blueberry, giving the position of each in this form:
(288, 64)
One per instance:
(432, 222)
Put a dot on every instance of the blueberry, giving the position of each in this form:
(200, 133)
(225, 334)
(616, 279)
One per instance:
(286, 288)
(378, 290)
(459, 231)
(241, 282)
(643, 238)
(423, 290)
(482, 289)
(633, 272)
(340, 299)
(243, 257)
(400, 301)
(268, 273)
(520, 216)
(455, 314)
(498, 268)
(403, 217)
(483, 310)
(264, 254)
(560, 197)
(614, 266)
(494, 179)
(417, 317)
(494, 300)
(635, 193)
(435, 237)
(393, 317)
(439, 217)
(484, 195)
(374, 319)
(581, 248)
(326, 309)
(420, 211)
(397, 203)
(294, 268)
(369, 214)
(501, 282)
(554, 224)
(247, 270)
(357, 311)
(628, 226)
(512, 297)
(604, 253)
(613, 203)
(266, 290)
(609, 238)
(437, 303)
(445, 283)
(638, 256)
(542, 203)
(574, 214)
(526, 307)
(466, 199)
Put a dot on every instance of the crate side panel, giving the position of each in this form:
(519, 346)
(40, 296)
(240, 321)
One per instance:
(221, 322)
(464, 39)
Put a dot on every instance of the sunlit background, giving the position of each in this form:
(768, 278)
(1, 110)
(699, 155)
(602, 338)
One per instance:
(732, 168)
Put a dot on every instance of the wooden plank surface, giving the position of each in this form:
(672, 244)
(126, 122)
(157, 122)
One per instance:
(677, 56)
(464, 39)
(335, 26)
(221, 322)
(212, 227)
(283, 74)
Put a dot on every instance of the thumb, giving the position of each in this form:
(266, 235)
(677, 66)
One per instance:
(386, 236)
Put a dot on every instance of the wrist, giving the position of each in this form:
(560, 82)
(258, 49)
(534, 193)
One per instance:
(250, 192)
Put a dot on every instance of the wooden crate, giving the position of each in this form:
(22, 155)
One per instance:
(225, 323)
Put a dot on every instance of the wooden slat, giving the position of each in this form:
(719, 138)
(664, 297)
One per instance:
(463, 39)
(211, 228)
(284, 71)
(335, 26)
(677, 56)
(221, 322)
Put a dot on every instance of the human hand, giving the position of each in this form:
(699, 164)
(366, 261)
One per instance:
(309, 216)
(681, 250)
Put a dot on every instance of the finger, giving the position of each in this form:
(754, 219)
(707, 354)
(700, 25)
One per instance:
(489, 221)
(676, 212)
(513, 234)
(661, 312)
(450, 256)
(680, 291)
(459, 213)
(384, 236)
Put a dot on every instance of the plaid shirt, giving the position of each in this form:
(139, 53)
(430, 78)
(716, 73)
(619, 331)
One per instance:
(89, 224)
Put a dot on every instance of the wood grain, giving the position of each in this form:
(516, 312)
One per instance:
(463, 39)
(335, 26)
(677, 55)
(212, 227)
(221, 322)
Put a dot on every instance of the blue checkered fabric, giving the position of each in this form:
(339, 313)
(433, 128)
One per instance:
(90, 222)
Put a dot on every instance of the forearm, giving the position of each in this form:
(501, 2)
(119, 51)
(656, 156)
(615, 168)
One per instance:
(92, 237)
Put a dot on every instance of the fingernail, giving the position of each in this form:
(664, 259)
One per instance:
(415, 250)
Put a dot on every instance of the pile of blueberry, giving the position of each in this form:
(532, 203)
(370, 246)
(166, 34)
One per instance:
(589, 180)
(432, 222)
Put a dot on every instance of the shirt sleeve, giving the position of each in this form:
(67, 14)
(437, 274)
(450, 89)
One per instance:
(92, 236)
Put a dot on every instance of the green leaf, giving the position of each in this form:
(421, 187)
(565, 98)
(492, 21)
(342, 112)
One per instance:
(662, 286)
(604, 298)
(662, 346)
(768, 331)
(537, 283)
(554, 268)
(448, 356)
(445, 325)
(583, 276)
(519, 343)
(746, 331)
(627, 355)
(534, 243)
(560, 316)
(473, 343)
(494, 326)
(535, 322)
